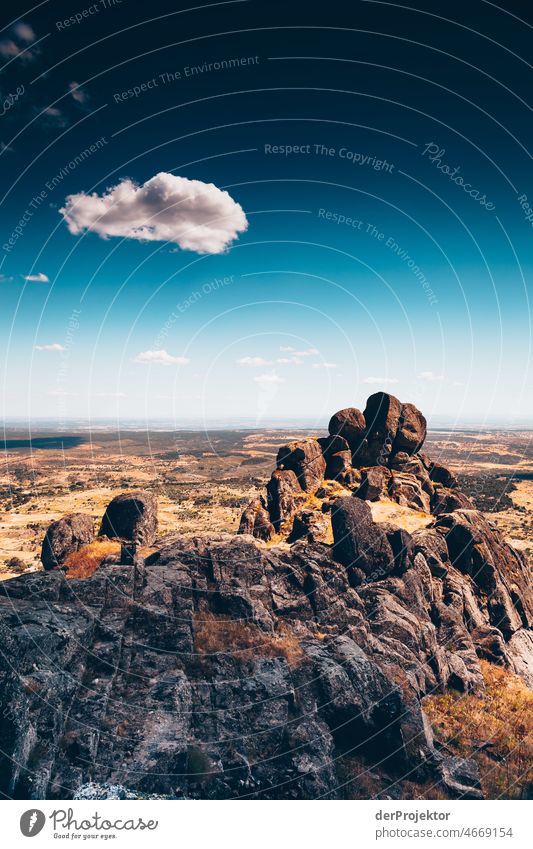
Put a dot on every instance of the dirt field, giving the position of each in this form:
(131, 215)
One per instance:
(203, 480)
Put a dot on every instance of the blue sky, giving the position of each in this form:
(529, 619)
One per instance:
(365, 264)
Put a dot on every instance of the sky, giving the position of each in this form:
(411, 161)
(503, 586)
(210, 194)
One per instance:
(265, 212)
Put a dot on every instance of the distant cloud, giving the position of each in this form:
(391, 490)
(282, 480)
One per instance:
(382, 380)
(194, 215)
(24, 32)
(55, 346)
(288, 348)
(51, 117)
(4, 278)
(430, 376)
(254, 361)
(324, 365)
(78, 94)
(310, 352)
(293, 361)
(160, 358)
(268, 379)
(36, 278)
(19, 42)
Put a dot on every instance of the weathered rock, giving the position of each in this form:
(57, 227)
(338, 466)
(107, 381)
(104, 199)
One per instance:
(412, 429)
(65, 536)
(359, 543)
(255, 520)
(349, 424)
(374, 483)
(131, 516)
(284, 494)
(447, 500)
(461, 777)
(440, 474)
(498, 571)
(382, 417)
(338, 464)
(306, 460)
(332, 445)
(311, 525)
(407, 490)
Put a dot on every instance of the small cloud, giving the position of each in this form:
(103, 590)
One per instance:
(430, 376)
(458, 383)
(287, 348)
(268, 379)
(36, 278)
(5, 279)
(19, 42)
(310, 352)
(160, 358)
(194, 215)
(78, 93)
(293, 361)
(24, 32)
(55, 346)
(383, 380)
(324, 365)
(254, 361)
(51, 117)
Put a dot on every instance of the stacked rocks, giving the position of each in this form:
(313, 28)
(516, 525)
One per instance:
(373, 454)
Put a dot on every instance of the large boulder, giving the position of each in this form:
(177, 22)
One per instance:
(284, 495)
(374, 483)
(306, 460)
(350, 425)
(359, 543)
(131, 516)
(65, 536)
(338, 464)
(412, 429)
(382, 418)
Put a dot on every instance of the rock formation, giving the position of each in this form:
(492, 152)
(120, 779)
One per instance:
(131, 517)
(231, 666)
(65, 536)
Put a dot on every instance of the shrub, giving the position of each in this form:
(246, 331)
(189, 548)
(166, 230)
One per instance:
(495, 728)
(215, 634)
(15, 564)
(86, 560)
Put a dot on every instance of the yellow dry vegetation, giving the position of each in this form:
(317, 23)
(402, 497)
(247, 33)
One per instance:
(216, 634)
(86, 560)
(495, 728)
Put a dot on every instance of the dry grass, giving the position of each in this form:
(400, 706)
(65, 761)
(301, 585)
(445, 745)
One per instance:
(495, 728)
(84, 562)
(222, 635)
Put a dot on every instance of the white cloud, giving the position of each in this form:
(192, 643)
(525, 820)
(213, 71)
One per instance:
(194, 215)
(380, 380)
(293, 361)
(254, 361)
(36, 278)
(55, 346)
(24, 32)
(430, 376)
(310, 352)
(267, 379)
(18, 42)
(324, 365)
(78, 94)
(109, 395)
(160, 358)
(287, 348)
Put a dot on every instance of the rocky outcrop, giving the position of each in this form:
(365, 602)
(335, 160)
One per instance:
(247, 667)
(306, 460)
(132, 517)
(64, 537)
